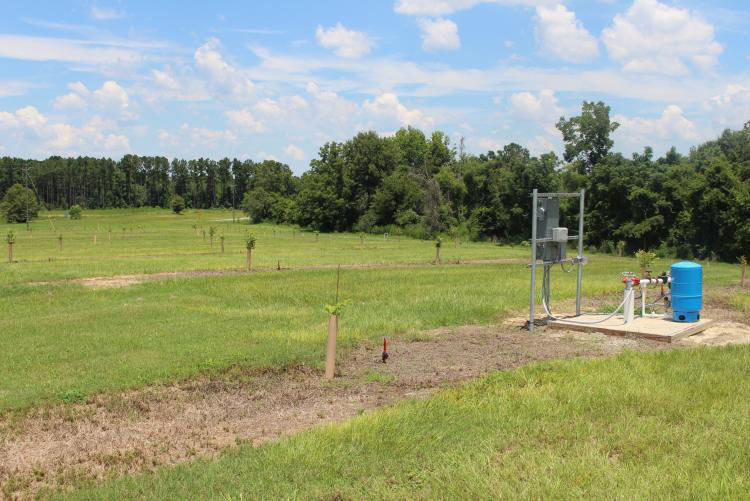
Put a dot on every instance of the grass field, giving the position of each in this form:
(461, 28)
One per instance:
(562, 430)
(67, 341)
(670, 425)
(154, 240)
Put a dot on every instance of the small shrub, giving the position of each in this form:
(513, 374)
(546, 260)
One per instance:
(607, 247)
(621, 248)
(75, 212)
(337, 308)
(250, 245)
(177, 203)
(250, 241)
(11, 239)
(645, 260)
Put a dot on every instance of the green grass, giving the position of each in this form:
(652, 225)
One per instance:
(67, 339)
(667, 425)
(156, 240)
(625, 427)
(740, 301)
(65, 342)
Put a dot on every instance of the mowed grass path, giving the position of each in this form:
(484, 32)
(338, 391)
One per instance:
(157, 240)
(66, 342)
(668, 425)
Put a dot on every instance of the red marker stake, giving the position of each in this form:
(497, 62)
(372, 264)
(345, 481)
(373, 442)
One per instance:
(385, 349)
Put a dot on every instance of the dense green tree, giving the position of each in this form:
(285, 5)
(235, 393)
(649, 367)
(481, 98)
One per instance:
(410, 183)
(19, 204)
(586, 136)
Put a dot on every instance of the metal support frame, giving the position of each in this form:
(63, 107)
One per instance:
(532, 304)
(580, 252)
(535, 196)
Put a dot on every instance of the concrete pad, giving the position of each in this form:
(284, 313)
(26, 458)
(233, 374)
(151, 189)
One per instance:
(656, 328)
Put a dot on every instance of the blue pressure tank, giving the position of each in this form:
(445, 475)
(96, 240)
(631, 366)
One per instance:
(687, 291)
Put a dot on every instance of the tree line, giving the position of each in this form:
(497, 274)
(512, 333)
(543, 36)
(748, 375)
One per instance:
(694, 205)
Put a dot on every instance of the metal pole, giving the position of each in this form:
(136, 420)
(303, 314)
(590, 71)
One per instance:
(580, 253)
(27, 198)
(532, 299)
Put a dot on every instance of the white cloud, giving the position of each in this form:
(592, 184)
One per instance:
(30, 117)
(69, 101)
(541, 144)
(439, 34)
(27, 126)
(112, 95)
(388, 105)
(262, 155)
(280, 108)
(8, 120)
(110, 98)
(245, 121)
(165, 83)
(563, 36)
(672, 126)
(224, 76)
(375, 75)
(730, 108)
(13, 88)
(540, 107)
(106, 14)
(295, 152)
(344, 42)
(443, 7)
(165, 79)
(489, 144)
(29, 48)
(652, 37)
(205, 136)
(330, 106)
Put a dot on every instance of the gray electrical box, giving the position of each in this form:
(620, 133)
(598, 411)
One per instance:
(548, 226)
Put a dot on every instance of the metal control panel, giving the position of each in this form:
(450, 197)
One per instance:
(554, 239)
(549, 242)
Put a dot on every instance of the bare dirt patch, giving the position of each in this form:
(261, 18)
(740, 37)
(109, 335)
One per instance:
(162, 425)
(126, 280)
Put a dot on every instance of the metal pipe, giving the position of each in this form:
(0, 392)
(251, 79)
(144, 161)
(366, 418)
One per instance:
(646, 281)
(628, 311)
(580, 253)
(532, 298)
(557, 195)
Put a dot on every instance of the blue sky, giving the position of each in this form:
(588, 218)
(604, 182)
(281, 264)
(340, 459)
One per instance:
(258, 80)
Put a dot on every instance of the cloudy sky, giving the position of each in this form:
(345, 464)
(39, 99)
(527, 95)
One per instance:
(259, 79)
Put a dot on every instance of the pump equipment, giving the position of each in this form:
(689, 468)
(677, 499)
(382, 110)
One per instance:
(549, 242)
